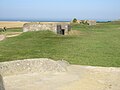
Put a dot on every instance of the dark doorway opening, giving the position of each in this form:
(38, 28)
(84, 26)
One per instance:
(62, 31)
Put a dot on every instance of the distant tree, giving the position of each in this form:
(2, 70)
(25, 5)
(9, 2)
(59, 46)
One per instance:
(74, 20)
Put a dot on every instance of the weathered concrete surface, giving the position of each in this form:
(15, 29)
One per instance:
(38, 26)
(31, 66)
(75, 77)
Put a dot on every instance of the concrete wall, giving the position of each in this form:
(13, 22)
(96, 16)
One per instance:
(46, 26)
(37, 27)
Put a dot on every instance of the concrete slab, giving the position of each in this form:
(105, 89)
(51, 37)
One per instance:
(76, 78)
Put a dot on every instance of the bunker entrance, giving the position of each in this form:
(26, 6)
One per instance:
(60, 30)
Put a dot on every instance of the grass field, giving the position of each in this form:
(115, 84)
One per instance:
(95, 45)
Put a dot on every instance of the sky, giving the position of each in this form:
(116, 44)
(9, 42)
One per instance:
(60, 9)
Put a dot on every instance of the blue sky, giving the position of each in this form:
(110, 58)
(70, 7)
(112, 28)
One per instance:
(60, 9)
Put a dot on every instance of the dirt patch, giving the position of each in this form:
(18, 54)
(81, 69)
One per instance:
(9, 34)
(2, 37)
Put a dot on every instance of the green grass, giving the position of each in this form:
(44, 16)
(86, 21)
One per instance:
(19, 29)
(14, 29)
(9, 30)
(96, 45)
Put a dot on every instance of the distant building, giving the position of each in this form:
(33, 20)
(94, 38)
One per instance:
(58, 28)
(91, 22)
(88, 22)
(79, 21)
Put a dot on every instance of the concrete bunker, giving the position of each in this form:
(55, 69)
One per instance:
(86, 22)
(63, 29)
(58, 28)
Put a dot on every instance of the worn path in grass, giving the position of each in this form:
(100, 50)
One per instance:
(2, 37)
(76, 78)
(10, 34)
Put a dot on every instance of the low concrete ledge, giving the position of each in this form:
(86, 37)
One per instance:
(32, 65)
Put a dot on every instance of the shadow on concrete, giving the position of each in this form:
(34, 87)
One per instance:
(1, 83)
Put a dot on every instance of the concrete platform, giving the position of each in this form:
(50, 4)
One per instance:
(76, 77)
